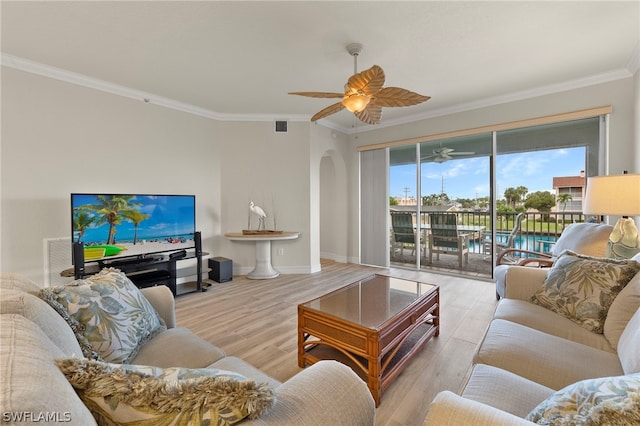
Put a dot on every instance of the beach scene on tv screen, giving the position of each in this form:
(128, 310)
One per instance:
(129, 225)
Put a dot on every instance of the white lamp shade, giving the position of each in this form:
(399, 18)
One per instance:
(616, 195)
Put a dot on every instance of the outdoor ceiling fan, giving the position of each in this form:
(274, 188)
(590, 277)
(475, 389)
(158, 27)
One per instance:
(364, 95)
(442, 154)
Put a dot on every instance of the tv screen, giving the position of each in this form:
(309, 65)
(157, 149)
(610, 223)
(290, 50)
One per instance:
(122, 225)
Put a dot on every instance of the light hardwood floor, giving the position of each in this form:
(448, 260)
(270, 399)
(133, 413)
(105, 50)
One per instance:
(256, 320)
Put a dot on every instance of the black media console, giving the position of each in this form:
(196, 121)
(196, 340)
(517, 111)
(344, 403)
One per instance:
(144, 270)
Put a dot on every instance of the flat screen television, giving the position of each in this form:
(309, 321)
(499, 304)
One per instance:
(115, 226)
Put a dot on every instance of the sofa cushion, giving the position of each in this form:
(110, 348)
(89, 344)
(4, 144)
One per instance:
(33, 390)
(541, 357)
(539, 318)
(238, 365)
(629, 345)
(504, 390)
(447, 408)
(582, 288)
(121, 393)
(622, 309)
(187, 350)
(605, 400)
(108, 313)
(37, 311)
(11, 280)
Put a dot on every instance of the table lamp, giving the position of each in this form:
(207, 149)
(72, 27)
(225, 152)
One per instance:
(616, 195)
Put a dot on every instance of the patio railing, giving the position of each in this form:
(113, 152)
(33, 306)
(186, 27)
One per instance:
(538, 231)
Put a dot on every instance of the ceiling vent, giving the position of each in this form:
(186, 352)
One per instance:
(281, 126)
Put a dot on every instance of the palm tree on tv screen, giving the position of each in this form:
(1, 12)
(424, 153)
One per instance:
(136, 217)
(81, 221)
(111, 209)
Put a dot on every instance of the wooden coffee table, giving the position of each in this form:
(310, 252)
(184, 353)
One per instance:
(375, 326)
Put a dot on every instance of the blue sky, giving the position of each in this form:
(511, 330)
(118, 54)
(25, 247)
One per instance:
(468, 178)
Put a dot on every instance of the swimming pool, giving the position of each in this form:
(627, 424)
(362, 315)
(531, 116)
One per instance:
(524, 242)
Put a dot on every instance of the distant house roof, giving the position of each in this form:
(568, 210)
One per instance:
(568, 182)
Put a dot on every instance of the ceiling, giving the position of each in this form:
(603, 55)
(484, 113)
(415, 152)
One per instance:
(238, 60)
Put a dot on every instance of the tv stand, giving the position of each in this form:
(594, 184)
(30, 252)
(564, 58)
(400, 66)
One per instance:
(117, 263)
(143, 270)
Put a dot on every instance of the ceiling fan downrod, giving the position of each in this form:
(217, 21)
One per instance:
(354, 50)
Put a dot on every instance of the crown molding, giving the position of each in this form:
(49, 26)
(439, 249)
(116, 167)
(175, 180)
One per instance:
(502, 99)
(37, 68)
(149, 98)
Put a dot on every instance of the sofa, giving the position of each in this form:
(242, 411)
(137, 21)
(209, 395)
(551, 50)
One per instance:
(34, 335)
(536, 365)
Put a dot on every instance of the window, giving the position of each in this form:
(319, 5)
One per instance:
(468, 174)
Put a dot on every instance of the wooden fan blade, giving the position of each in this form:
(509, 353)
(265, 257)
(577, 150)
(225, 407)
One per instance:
(319, 94)
(397, 97)
(368, 81)
(331, 109)
(372, 114)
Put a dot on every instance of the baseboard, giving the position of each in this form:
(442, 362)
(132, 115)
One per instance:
(304, 269)
(334, 257)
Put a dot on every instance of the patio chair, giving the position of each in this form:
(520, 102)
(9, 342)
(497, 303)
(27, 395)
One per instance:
(402, 233)
(444, 237)
(503, 246)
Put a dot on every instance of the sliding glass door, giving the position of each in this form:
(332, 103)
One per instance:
(442, 180)
(541, 172)
(454, 202)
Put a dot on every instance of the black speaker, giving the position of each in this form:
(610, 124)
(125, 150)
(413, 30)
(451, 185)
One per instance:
(78, 260)
(197, 239)
(221, 269)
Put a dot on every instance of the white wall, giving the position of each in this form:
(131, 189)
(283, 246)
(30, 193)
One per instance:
(272, 169)
(59, 138)
(636, 137)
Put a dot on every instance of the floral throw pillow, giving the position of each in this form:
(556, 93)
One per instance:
(133, 394)
(109, 315)
(582, 288)
(601, 401)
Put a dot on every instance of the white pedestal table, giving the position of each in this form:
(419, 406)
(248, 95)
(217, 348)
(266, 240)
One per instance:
(263, 269)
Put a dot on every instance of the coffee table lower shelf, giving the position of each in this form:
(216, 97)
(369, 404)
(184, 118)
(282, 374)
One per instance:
(410, 347)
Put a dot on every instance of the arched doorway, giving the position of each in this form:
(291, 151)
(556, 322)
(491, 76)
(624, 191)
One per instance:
(333, 207)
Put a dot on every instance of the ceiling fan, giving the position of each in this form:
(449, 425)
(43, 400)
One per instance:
(442, 154)
(364, 95)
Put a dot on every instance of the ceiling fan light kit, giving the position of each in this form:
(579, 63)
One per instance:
(364, 95)
(356, 102)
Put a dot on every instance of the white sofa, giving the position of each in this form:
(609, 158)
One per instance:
(529, 352)
(33, 335)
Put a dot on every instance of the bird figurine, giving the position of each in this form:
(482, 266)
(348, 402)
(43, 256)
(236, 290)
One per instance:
(257, 210)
